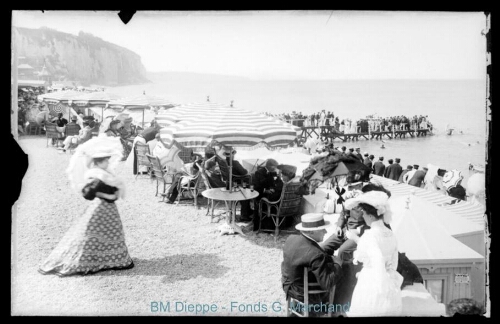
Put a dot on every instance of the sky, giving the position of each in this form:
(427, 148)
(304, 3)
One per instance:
(290, 44)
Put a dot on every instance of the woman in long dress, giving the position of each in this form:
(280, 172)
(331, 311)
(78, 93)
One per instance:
(96, 241)
(378, 289)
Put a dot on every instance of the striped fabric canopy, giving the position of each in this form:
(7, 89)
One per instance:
(95, 98)
(140, 101)
(198, 124)
(60, 96)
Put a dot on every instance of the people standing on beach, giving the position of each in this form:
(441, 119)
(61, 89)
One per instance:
(96, 241)
(418, 177)
(369, 161)
(393, 170)
(379, 167)
(403, 177)
(358, 154)
(410, 173)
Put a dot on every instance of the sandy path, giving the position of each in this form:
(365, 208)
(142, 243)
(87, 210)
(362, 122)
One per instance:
(178, 254)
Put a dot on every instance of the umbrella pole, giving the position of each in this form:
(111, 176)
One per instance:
(143, 119)
(231, 170)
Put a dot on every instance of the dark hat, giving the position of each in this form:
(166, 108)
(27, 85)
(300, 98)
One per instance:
(343, 148)
(366, 154)
(415, 166)
(390, 160)
(271, 162)
(114, 122)
(351, 149)
(398, 160)
(409, 167)
(381, 158)
(74, 118)
(372, 156)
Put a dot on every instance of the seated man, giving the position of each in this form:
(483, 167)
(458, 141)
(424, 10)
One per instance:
(189, 169)
(214, 175)
(84, 134)
(223, 159)
(268, 184)
(302, 251)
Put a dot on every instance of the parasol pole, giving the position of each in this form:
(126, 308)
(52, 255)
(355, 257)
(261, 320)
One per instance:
(143, 118)
(231, 169)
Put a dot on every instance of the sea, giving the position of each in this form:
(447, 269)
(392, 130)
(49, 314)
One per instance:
(459, 104)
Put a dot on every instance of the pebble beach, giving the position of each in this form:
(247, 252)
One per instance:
(180, 258)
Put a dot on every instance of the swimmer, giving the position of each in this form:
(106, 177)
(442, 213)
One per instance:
(382, 146)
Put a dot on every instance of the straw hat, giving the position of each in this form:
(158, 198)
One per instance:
(312, 222)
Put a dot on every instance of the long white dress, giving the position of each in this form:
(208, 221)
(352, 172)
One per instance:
(378, 290)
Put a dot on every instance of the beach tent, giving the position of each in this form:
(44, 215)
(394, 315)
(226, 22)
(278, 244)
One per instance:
(450, 268)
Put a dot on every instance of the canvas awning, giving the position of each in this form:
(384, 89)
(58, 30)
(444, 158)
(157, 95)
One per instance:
(471, 211)
(31, 83)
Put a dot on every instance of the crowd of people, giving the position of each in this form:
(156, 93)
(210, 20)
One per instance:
(350, 126)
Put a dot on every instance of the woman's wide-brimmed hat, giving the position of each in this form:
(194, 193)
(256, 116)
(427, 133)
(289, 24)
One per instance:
(376, 199)
(312, 222)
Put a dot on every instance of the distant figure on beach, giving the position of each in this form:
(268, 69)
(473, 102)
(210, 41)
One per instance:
(382, 147)
(379, 167)
(96, 240)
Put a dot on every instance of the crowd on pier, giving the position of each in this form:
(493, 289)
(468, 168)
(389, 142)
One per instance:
(363, 125)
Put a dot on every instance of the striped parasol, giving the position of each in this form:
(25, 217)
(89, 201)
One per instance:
(98, 98)
(196, 125)
(57, 108)
(142, 101)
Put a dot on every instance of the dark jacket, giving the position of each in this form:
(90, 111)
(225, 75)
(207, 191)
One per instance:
(417, 178)
(379, 168)
(90, 189)
(262, 179)
(299, 252)
(215, 180)
(238, 169)
(149, 133)
(393, 171)
(368, 162)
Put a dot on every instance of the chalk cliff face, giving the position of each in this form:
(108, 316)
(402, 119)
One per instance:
(83, 58)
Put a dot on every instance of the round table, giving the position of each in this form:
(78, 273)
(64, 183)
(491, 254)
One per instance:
(230, 198)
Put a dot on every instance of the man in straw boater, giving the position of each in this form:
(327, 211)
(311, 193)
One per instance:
(302, 251)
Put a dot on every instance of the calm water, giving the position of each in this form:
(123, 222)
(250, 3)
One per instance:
(460, 103)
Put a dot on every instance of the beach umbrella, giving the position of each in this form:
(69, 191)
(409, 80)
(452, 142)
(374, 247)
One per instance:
(452, 178)
(62, 97)
(141, 102)
(99, 98)
(196, 125)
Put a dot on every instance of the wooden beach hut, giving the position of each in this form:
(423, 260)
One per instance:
(450, 268)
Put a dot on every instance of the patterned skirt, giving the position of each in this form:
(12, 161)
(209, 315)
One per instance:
(95, 242)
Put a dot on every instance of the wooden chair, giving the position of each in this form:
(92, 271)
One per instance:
(191, 186)
(159, 172)
(206, 181)
(33, 128)
(186, 154)
(141, 150)
(52, 133)
(287, 206)
(71, 130)
(300, 308)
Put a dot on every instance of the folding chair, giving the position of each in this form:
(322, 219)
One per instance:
(141, 150)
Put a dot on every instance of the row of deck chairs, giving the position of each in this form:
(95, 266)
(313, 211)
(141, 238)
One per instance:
(70, 130)
(287, 206)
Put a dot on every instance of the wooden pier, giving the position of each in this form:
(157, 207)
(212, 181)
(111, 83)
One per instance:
(329, 134)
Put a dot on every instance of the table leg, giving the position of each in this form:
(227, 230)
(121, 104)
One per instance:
(230, 227)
